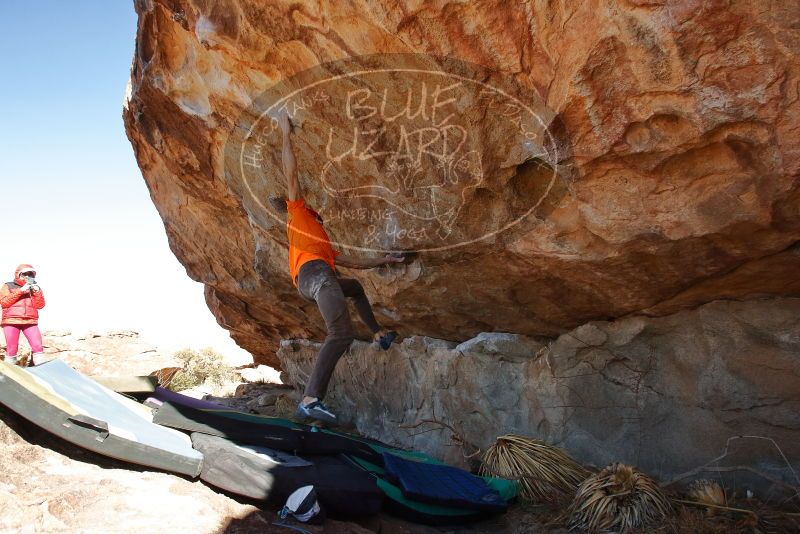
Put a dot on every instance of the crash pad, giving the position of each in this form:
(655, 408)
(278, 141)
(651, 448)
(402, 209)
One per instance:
(70, 405)
(128, 384)
(165, 395)
(396, 503)
(271, 476)
(443, 485)
(277, 436)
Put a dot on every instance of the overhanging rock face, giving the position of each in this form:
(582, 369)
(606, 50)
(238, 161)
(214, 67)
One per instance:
(668, 394)
(578, 162)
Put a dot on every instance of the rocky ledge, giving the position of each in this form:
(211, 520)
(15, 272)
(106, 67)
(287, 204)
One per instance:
(695, 393)
(114, 353)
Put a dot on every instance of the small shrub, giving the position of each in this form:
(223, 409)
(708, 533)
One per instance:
(203, 367)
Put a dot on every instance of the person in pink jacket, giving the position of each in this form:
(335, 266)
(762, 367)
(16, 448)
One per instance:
(21, 301)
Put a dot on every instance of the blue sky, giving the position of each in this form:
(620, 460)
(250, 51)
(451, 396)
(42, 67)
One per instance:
(74, 201)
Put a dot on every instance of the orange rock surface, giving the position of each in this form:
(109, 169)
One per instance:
(660, 169)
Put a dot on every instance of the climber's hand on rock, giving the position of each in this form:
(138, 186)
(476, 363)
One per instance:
(394, 257)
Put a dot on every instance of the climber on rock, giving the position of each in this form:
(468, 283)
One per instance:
(312, 267)
(21, 301)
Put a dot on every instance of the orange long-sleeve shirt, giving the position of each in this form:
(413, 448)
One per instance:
(307, 238)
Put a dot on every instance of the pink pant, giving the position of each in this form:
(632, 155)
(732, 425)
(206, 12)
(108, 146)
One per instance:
(31, 332)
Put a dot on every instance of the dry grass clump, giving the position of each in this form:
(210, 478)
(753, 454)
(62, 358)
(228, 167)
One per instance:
(619, 498)
(707, 492)
(203, 367)
(757, 518)
(546, 473)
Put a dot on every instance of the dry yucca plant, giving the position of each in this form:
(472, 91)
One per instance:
(707, 492)
(546, 474)
(618, 499)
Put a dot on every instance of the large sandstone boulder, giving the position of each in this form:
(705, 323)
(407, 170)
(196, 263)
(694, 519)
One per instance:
(591, 160)
(711, 392)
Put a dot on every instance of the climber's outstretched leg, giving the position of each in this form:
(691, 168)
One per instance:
(354, 290)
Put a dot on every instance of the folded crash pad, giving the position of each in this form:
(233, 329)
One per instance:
(165, 395)
(342, 490)
(70, 405)
(274, 434)
(128, 384)
(443, 485)
(349, 441)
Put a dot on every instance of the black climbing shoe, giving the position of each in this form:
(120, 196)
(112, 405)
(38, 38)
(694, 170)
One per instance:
(385, 341)
(316, 410)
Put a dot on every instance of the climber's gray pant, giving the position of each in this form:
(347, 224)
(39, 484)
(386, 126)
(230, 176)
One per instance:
(316, 281)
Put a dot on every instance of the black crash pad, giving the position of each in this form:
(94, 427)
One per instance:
(343, 490)
(281, 434)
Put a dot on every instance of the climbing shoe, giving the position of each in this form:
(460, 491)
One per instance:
(316, 410)
(385, 341)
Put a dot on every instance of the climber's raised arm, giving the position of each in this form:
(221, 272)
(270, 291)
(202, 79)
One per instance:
(289, 162)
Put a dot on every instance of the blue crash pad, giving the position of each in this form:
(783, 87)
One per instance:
(443, 485)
